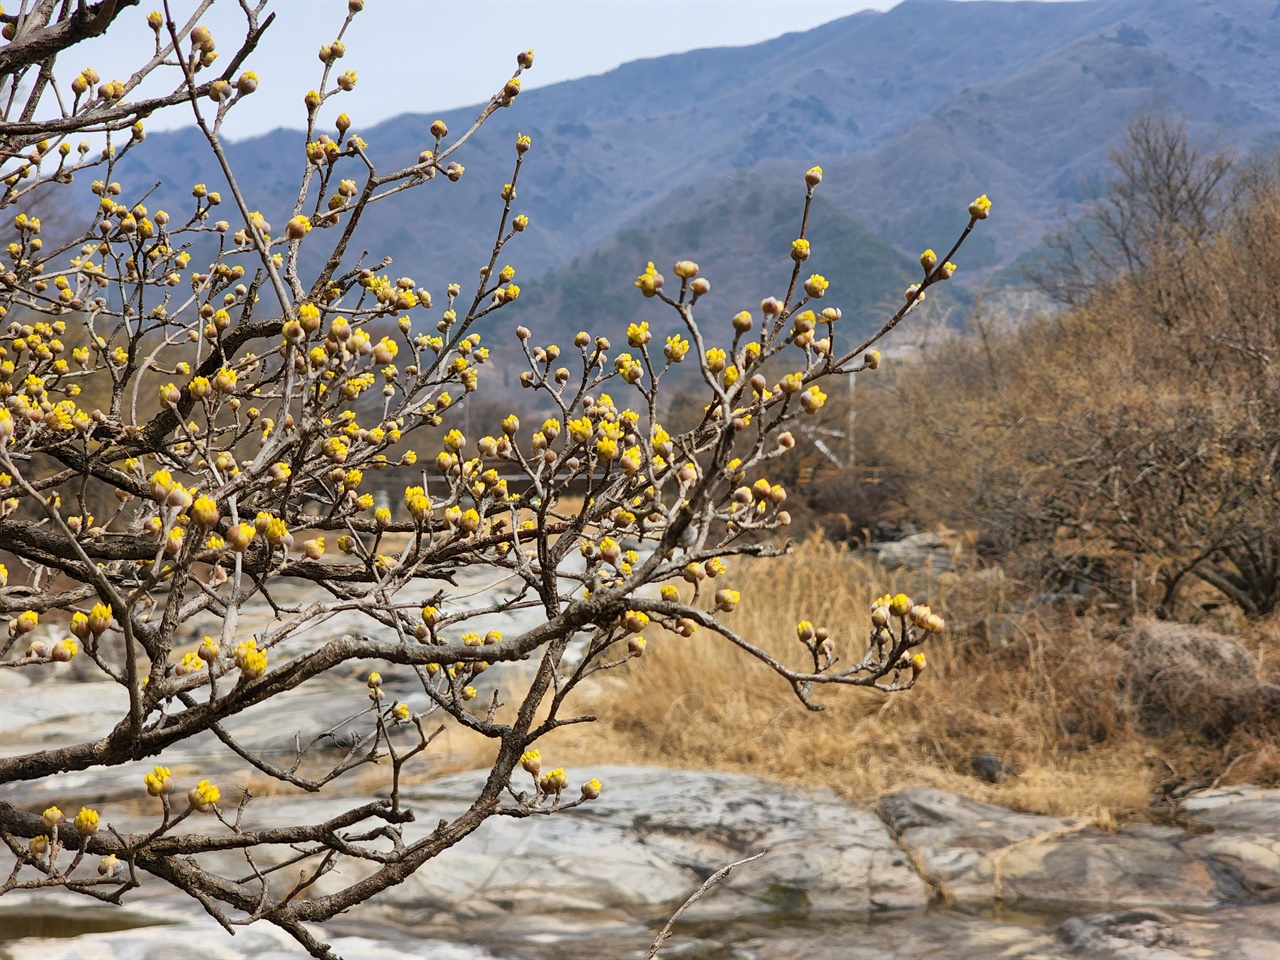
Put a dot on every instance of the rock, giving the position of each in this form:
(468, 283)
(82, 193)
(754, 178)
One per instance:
(1240, 934)
(653, 837)
(915, 552)
(834, 885)
(989, 767)
(916, 936)
(1112, 932)
(1182, 677)
(11, 682)
(978, 853)
(1243, 808)
(1246, 838)
(1252, 862)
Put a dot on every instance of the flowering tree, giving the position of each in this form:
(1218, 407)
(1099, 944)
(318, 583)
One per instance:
(181, 433)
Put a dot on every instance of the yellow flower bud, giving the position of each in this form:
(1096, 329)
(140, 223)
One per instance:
(203, 796)
(86, 822)
(531, 761)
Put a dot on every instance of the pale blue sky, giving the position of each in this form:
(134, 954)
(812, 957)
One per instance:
(427, 55)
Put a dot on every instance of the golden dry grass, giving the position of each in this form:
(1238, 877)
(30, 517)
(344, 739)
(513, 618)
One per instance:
(1046, 701)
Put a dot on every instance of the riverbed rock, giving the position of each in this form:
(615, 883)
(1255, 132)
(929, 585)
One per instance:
(652, 838)
(919, 551)
(1249, 933)
(978, 852)
(1245, 842)
(834, 884)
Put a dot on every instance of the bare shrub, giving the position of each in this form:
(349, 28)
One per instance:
(1131, 445)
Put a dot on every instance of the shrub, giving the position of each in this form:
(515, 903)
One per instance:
(182, 436)
(1129, 445)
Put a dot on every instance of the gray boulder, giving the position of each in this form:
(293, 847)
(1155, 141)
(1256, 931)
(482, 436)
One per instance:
(919, 551)
(1183, 677)
(1245, 842)
(978, 852)
(652, 838)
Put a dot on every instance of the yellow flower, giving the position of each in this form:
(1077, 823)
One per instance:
(554, 781)
(251, 661)
(591, 789)
(800, 250)
(418, 503)
(204, 512)
(531, 761)
(240, 535)
(99, 618)
(638, 334)
(649, 282)
(676, 349)
(203, 796)
(579, 430)
(86, 822)
(277, 532)
(899, 605)
(159, 781)
(980, 209)
(727, 599)
(813, 399)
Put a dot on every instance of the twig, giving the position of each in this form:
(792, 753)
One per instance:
(697, 895)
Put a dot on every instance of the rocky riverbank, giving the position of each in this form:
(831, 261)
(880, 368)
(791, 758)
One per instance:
(921, 873)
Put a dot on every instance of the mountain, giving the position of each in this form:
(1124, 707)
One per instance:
(911, 112)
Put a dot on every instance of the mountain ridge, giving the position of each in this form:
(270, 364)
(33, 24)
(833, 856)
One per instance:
(911, 112)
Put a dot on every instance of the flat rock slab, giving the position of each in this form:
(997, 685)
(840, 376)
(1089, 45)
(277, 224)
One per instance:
(978, 852)
(652, 838)
(835, 884)
(1241, 933)
(1245, 842)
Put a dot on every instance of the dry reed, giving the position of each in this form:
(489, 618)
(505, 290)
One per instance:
(1039, 691)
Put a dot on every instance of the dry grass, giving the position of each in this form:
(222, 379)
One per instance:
(1045, 699)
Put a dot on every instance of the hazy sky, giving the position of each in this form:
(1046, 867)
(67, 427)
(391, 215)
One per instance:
(425, 55)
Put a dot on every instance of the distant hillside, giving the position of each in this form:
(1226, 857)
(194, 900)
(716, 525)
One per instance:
(911, 112)
(752, 223)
